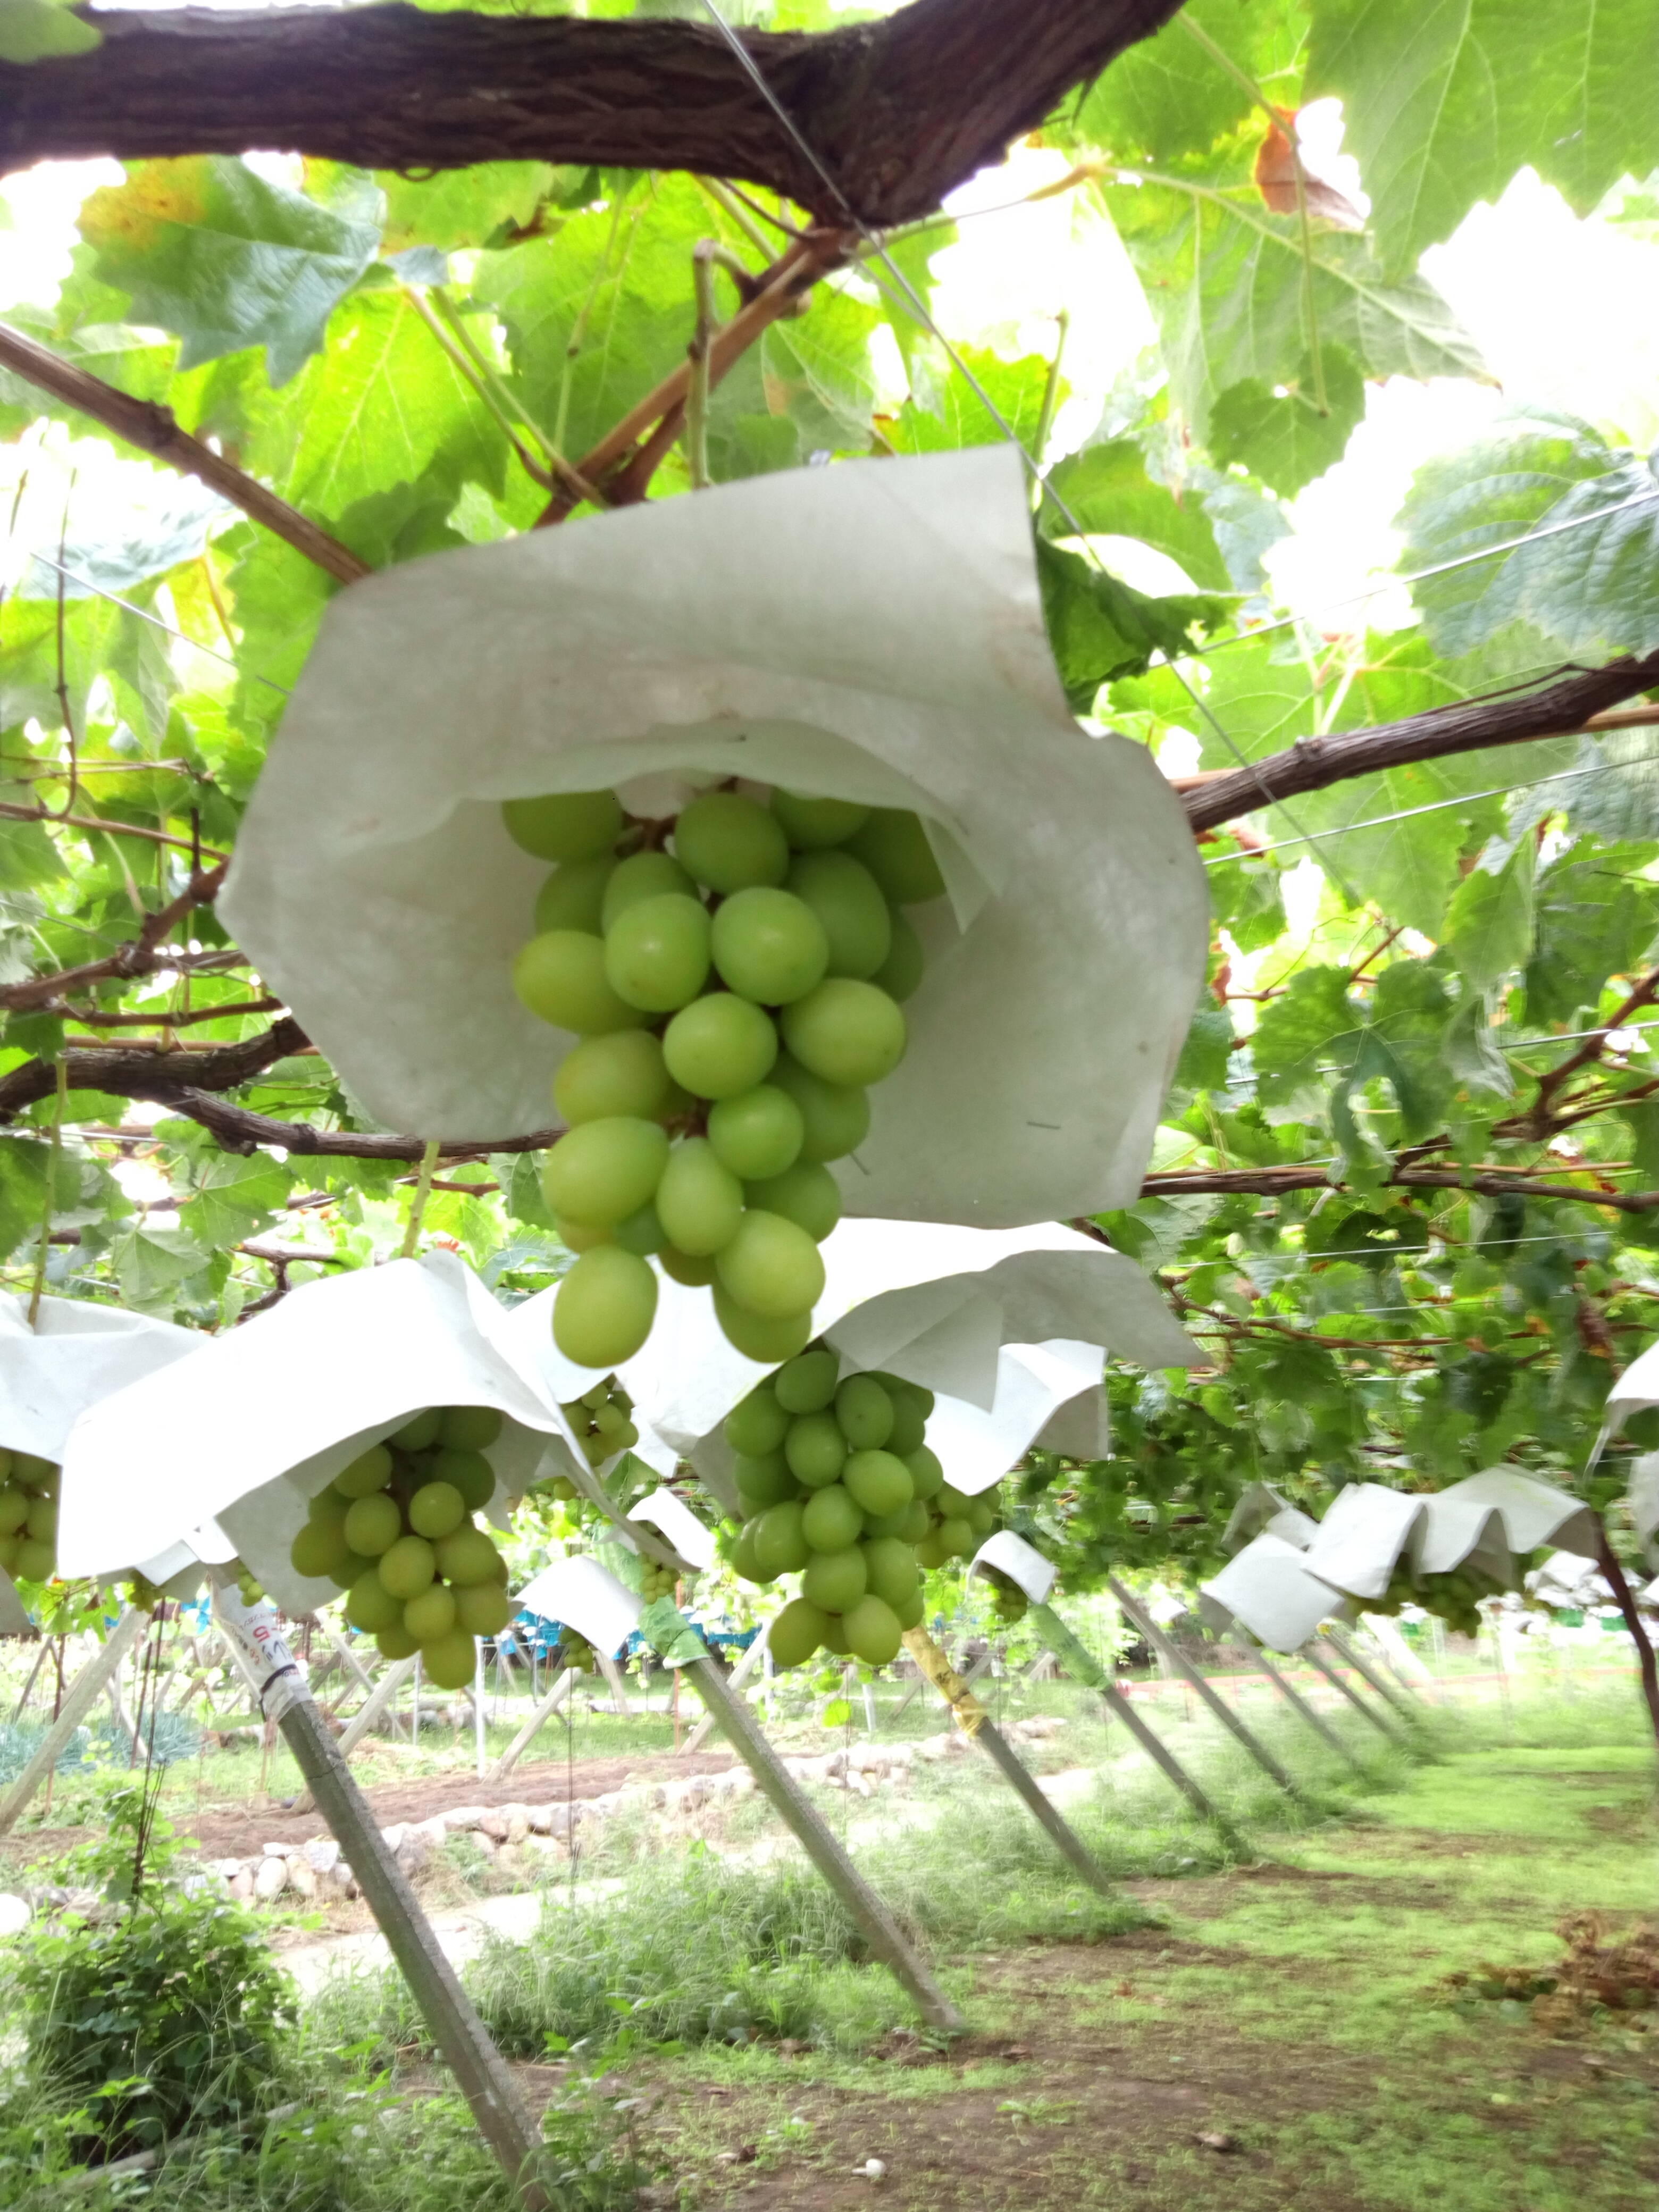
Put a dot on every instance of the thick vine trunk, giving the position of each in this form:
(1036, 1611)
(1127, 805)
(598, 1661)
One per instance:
(898, 111)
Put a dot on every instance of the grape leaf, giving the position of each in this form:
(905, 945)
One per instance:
(1591, 583)
(23, 1190)
(1444, 100)
(30, 30)
(463, 207)
(1107, 492)
(224, 260)
(945, 412)
(1166, 97)
(1489, 922)
(1278, 431)
(136, 541)
(1100, 627)
(1596, 917)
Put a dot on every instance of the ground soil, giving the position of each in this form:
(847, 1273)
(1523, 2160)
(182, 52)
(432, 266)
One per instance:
(237, 1831)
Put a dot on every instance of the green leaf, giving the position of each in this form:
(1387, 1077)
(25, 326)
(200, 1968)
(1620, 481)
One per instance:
(463, 207)
(818, 371)
(1299, 1033)
(1107, 492)
(1165, 97)
(1597, 914)
(135, 542)
(225, 260)
(670, 1634)
(1100, 628)
(1205, 1061)
(1615, 793)
(1489, 922)
(1443, 103)
(234, 1197)
(30, 30)
(1278, 431)
(1591, 583)
(1225, 280)
(22, 1191)
(946, 413)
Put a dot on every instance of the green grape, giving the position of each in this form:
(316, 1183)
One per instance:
(623, 1073)
(484, 1608)
(371, 1607)
(780, 1548)
(319, 1549)
(759, 1134)
(729, 843)
(559, 976)
(564, 825)
(469, 1428)
(11, 1544)
(835, 1115)
(900, 972)
(909, 1425)
(656, 952)
(327, 1508)
(914, 1522)
(467, 1556)
(926, 1475)
(450, 1661)
(894, 1524)
(981, 1518)
(602, 1171)
(407, 1566)
(891, 1567)
(796, 1633)
(845, 1032)
(573, 897)
(950, 1501)
(831, 1519)
(373, 1525)
(816, 1449)
(396, 1642)
(36, 1561)
(856, 919)
(763, 1479)
(956, 1536)
(34, 1472)
(14, 1508)
(909, 1614)
(810, 824)
(771, 1268)
(835, 1580)
(757, 1339)
(770, 946)
(758, 1423)
(871, 1631)
(579, 1236)
(696, 1273)
(894, 846)
(469, 1472)
(720, 1046)
(644, 876)
(642, 1232)
(361, 1477)
(880, 1483)
(431, 1614)
(603, 1308)
(42, 1522)
(835, 1636)
(437, 1508)
(744, 1559)
(420, 1431)
(930, 1550)
(806, 1385)
(806, 1193)
(699, 1200)
(864, 1411)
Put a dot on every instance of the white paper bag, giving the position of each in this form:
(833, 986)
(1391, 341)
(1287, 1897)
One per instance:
(1636, 1388)
(1364, 1531)
(76, 1353)
(873, 632)
(1269, 1589)
(1457, 1531)
(1021, 1562)
(1534, 1511)
(589, 1597)
(675, 1519)
(269, 1413)
(1644, 1504)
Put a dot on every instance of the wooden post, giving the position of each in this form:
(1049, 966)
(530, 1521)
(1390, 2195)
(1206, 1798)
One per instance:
(734, 1681)
(78, 1700)
(979, 1667)
(563, 1682)
(345, 1651)
(1218, 1705)
(1332, 1674)
(614, 1682)
(978, 1726)
(1405, 1709)
(480, 2072)
(1080, 1662)
(1317, 1720)
(871, 1917)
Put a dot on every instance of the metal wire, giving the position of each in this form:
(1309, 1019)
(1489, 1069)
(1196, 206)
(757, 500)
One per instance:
(144, 614)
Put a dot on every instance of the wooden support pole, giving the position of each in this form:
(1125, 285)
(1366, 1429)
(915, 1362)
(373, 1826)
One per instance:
(734, 1681)
(979, 1728)
(343, 1647)
(614, 1682)
(1407, 1668)
(1334, 1675)
(1218, 1704)
(78, 1700)
(980, 1666)
(1299, 1703)
(870, 1916)
(1405, 1707)
(563, 1682)
(479, 2070)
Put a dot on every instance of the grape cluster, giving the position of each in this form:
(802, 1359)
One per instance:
(1455, 1597)
(656, 1581)
(28, 1516)
(574, 1650)
(835, 1480)
(395, 1529)
(957, 1527)
(734, 999)
(1008, 1599)
(603, 1421)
